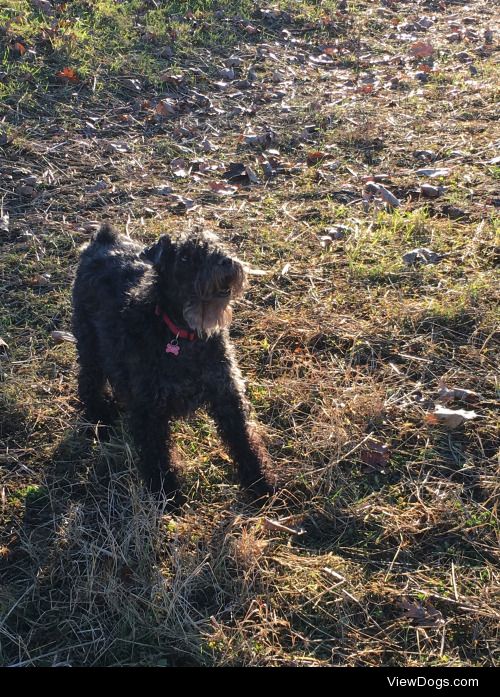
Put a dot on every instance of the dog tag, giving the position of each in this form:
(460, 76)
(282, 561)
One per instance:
(173, 349)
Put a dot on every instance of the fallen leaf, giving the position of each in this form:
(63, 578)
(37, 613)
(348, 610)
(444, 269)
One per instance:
(44, 6)
(426, 155)
(118, 146)
(6, 140)
(430, 191)
(263, 139)
(421, 255)
(375, 453)
(449, 394)
(208, 146)
(181, 202)
(338, 232)
(227, 74)
(98, 186)
(240, 173)
(453, 212)
(4, 222)
(422, 615)
(60, 337)
(19, 48)
(180, 167)
(3, 344)
(365, 89)
(314, 156)
(170, 79)
(420, 49)
(223, 189)
(166, 107)
(452, 418)
(429, 172)
(383, 193)
(41, 279)
(68, 74)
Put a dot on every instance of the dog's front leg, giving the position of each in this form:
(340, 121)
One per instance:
(230, 410)
(151, 433)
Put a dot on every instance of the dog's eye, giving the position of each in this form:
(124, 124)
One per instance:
(184, 259)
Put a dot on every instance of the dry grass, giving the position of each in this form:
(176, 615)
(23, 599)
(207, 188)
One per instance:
(367, 556)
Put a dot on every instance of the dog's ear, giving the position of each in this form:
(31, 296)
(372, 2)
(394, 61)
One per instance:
(159, 252)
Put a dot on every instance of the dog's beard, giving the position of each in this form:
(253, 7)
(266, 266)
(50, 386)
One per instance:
(206, 313)
(207, 317)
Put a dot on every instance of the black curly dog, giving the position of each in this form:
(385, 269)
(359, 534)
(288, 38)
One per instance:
(152, 325)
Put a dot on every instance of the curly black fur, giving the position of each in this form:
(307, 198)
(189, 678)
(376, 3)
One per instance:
(118, 292)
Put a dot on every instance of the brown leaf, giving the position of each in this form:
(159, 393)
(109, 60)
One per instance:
(422, 615)
(68, 74)
(314, 156)
(375, 454)
(223, 189)
(19, 48)
(365, 89)
(39, 279)
(166, 107)
(250, 29)
(421, 49)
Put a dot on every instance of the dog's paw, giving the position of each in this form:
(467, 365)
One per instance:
(260, 490)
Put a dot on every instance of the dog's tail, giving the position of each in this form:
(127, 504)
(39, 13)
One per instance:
(106, 234)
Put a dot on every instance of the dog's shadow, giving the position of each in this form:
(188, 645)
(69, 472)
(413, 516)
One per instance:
(98, 559)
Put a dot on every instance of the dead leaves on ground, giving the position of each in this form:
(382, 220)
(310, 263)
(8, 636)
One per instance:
(451, 418)
(422, 615)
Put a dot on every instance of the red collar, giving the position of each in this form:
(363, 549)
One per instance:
(179, 333)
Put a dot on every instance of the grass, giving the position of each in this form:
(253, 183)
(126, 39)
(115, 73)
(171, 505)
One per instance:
(361, 559)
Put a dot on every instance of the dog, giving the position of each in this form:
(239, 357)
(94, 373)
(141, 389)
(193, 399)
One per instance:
(151, 326)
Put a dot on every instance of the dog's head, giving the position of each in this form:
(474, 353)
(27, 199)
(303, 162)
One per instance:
(198, 279)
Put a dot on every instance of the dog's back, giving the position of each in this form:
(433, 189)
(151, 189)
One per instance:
(109, 267)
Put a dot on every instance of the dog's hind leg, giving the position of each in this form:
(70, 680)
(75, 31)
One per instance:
(98, 405)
